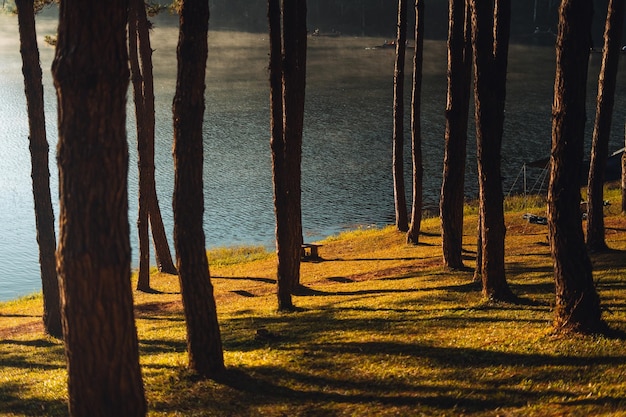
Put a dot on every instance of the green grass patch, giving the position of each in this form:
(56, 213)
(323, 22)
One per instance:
(529, 202)
(225, 256)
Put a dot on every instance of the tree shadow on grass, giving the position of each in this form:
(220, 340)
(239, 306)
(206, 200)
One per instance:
(404, 258)
(309, 381)
(525, 268)
(464, 288)
(303, 290)
(610, 258)
(157, 292)
(19, 315)
(159, 346)
(267, 386)
(315, 383)
(13, 401)
(15, 354)
(255, 279)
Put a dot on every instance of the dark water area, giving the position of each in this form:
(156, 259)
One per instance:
(346, 161)
(378, 18)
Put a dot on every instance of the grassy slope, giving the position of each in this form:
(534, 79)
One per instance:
(384, 330)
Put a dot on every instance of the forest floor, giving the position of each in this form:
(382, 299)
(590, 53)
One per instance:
(382, 329)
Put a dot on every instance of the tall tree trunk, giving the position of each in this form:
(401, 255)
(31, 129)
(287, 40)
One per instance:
(457, 110)
(159, 237)
(478, 271)
(90, 72)
(277, 145)
(577, 303)
(40, 173)
(624, 176)
(204, 343)
(143, 281)
(402, 221)
(287, 78)
(602, 126)
(416, 131)
(294, 79)
(490, 28)
(149, 210)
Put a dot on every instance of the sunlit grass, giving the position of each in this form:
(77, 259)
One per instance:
(382, 330)
(225, 256)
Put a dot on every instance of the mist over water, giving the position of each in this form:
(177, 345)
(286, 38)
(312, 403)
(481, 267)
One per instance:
(346, 160)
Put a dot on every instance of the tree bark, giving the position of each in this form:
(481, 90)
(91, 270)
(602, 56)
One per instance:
(455, 153)
(416, 131)
(623, 211)
(40, 173)
(149, 210)
(490, 29)
(602, 127)
(90, 72)
(577, 303)
(287, 93)
(478, 271)
(204, 343)
(402, 221)
(143, 280)
(159, 237)
(277, 145)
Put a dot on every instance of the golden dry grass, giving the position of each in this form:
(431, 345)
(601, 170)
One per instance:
(382, 330)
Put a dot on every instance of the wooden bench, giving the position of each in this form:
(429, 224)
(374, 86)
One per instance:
(309, 251)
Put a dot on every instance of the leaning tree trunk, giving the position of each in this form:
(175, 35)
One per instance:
(143, 280)
(149, 210)
(159, 237)
(602, 126)
(457, 110)
(490, 30)
(402, 221)
(161, 245)
(577, 303)
(204, 343)
(416, 131)
(40, 173)
(90, 72)
(287, 89)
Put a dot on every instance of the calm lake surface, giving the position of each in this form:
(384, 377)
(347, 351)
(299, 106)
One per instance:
(347, 140)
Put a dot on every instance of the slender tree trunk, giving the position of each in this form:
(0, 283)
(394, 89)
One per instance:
(457, 110)
(490, 30)
(143, 281)
(577, 303)
(159, 237)
(287, 89)
(602, 126)
(478, 271)
(624, 176)
(204, 343)
(402, 221)
(40, 173)
(90, 71)
(294, 79)
(149, 210)
(416, 130)
(277, 145)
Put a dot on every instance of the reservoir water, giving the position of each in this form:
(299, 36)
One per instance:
(346, 146)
